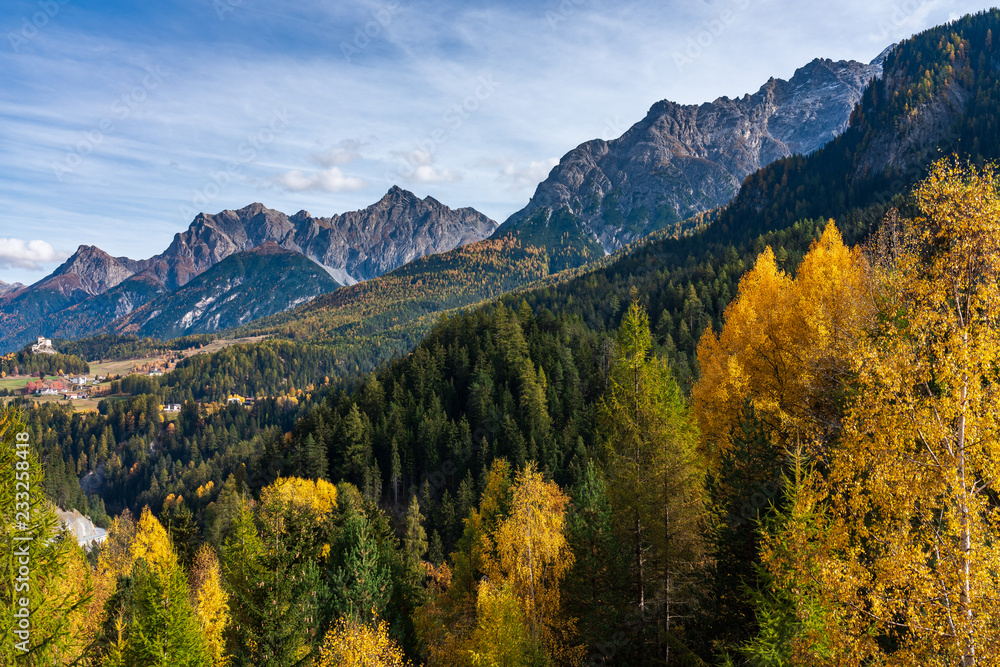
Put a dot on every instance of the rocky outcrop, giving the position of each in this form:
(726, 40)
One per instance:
(89, 270)
(681, 160)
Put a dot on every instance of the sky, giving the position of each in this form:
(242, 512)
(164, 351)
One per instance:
(121, 121)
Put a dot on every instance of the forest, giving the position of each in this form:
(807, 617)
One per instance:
(523, 489)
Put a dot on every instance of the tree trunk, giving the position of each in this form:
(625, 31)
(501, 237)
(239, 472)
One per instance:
(965, 538)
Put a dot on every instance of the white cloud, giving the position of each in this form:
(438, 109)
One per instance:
(343, 152)
(15, 253)
(327, 180)
(418, 166)
(428, 173)
(521, 177)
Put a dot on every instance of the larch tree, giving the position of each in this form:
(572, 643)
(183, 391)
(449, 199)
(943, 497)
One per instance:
(784, 347)
(656, 476)
(149, 619)
(211, 603)
(46, 591)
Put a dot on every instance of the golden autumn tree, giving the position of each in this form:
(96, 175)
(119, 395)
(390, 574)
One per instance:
(905, 551)
(529, 552)
(149, 617)
(501, 637)
(784, 346)
(351, 643)
(211, 603)
(444, 623)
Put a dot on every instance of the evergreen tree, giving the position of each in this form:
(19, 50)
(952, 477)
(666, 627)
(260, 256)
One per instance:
(415, 543)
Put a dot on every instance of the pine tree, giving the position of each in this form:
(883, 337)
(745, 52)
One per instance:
(415, 542)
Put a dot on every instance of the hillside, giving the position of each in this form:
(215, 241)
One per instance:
(245, 286)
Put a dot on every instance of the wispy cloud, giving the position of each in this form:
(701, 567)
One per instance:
(29, 255)
(344, 151)
(418, 166)
(327, 180)
(520, 177)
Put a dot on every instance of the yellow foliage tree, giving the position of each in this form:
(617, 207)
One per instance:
(355, 644)
(46, 589)
(905, 554)
(501, 638)
(318, 497)
(784, 345)
(530, 553)
(211, 603)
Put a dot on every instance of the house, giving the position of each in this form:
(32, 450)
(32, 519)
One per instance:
(43, 346)
(46, 391)
(235, 398)
(249, 401)
(172, 407)
(78, 381)
(155, 372)
(73, 396)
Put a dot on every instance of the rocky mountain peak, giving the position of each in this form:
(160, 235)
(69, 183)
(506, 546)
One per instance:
(680, 160)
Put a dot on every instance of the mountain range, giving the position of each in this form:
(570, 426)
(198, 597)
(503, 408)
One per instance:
(92, 290)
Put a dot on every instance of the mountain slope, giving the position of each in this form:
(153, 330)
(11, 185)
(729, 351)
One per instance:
(913, 115)
(254, 283)
(353, 246)
(681, 160)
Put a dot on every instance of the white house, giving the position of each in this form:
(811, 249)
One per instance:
(78, 381)
(172, 407)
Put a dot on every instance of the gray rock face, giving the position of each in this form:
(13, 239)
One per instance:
(353, 246)
(681, 160)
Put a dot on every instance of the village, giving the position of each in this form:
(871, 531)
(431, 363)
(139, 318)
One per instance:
(84, 391)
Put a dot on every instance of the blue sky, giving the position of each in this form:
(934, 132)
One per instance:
(119, 121)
